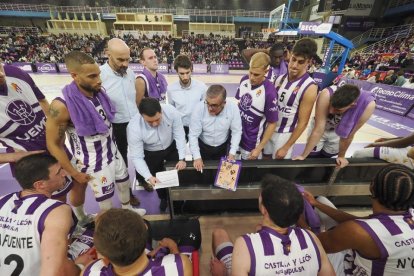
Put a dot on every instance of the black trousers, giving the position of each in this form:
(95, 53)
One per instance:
(212, 153)
(186, 131)
(155, 161)
(120, 133)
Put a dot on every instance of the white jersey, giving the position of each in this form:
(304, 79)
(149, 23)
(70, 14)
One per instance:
(169, 265)
(290, 95)
(394, 236)
(96, 152)
(272, 253)
(22, 121)
(21, 226)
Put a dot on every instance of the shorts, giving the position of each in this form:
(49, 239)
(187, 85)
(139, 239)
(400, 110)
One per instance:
(243, 154)
(224, 253)
(391, 155)
(103, 182)
(328, 144)
(277, 141)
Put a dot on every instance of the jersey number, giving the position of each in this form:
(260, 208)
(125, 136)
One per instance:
(102, 113)
(282, 96)
(19, 263)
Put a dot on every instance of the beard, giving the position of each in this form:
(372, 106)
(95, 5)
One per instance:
(90, 88)
(122, 70)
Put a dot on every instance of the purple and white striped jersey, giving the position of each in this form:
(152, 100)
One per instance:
(22, 121)
(81, 244)
(394, 236)
(271, 253)
(169, 265)
(290, 95)
(21, 226)
(257, 105)
(92, 153)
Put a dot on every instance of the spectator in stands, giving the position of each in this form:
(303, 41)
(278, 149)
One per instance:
(257, 105)
(118, 81)
(400, 81)
(215, 127)
(397, 150)
(150, 83)
(340, 113)
(275, 241)
(187, 92)
(409, 83)
(120, 238)
(155, 135)
(278, 66)
(390, 78)
(377, 244)
(296, 94)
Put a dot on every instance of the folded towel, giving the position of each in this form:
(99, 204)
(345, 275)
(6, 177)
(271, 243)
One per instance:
(83, 115)
(157, 85)
(311, 217)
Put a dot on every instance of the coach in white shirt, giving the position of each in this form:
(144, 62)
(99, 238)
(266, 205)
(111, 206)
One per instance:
(213, 122)
(185, 93)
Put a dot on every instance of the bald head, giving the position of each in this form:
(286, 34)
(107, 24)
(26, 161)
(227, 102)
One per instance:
(118, 55)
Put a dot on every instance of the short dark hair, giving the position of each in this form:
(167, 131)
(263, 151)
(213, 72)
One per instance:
(305, 47)
(344, 96)
(77, 58)
(393, 187)
(120, 235)
(182, 61)
(277, 47)
(33, 168)
(282, 200)
(216, 90)
(149, 107)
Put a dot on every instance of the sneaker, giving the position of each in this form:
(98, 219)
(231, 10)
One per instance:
(89, 218)
(139, 211)
(133, 199)
(163, 205)
(147, 186)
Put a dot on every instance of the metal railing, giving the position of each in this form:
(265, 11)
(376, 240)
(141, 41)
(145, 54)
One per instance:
(397, 3)
(18, 30)
(379, 33)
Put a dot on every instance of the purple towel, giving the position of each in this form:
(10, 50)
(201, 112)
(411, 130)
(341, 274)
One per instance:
(154, 90)
(282, 69)
(311, 217)
(83, 115)
(351, 117)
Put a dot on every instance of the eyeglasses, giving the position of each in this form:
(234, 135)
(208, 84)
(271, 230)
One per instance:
(214, 106)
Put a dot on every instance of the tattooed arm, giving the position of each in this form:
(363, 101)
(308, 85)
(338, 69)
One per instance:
(56, 126)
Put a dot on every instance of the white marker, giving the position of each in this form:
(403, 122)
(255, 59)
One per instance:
(201, 170)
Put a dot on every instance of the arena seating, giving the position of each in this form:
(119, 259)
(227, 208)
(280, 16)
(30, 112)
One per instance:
(319, 176)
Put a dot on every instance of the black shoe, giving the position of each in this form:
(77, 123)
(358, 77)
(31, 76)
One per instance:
(163, 205)
(147, 186)
(133, 200)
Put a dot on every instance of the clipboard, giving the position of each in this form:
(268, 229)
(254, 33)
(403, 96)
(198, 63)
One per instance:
(228, 173)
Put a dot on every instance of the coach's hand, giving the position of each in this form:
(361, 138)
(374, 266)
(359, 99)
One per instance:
(180, 165)
(198, 164)
(342, 162)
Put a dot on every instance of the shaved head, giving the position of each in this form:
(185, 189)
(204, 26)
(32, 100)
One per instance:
(118, 55)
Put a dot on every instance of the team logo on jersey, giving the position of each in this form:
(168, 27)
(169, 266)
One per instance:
(20, 112)
(16, 87)
(258, 92)
(104, 180)
(246, 102)
(296, 90)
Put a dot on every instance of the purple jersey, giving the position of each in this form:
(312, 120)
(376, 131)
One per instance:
(169, 265)
(257, 105)
(271, 253)
(22, 120)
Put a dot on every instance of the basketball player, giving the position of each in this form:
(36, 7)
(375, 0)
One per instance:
(150, 83)
(258, 111)
(23, 110)
(296, 94)
(276, 248)
(120, 238)
(278, 65)
(382, 243)
(397, 150)
(340, 113)
(34, 229)
(85, 113)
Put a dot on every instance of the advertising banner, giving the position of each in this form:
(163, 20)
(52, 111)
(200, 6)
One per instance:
(394, 99)
(360, 8)
(310, 28)
(200, 68)
(136, 67)
(219, 68)
(62, 68)
(25, 66)
(46, 68)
